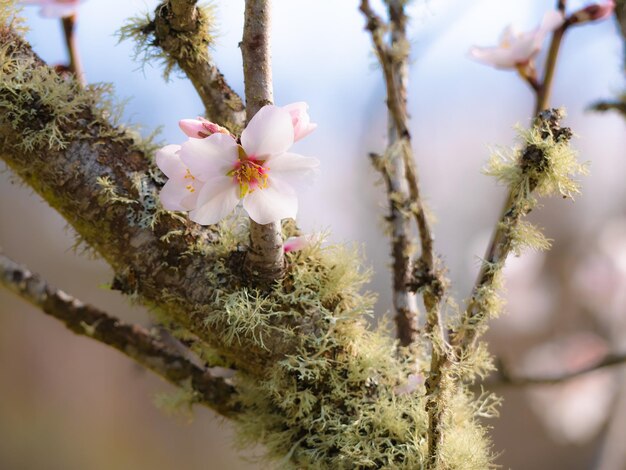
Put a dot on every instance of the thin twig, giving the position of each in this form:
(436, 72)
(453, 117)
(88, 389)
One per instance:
(265, 259)
(131, 340)
(544, 88)
(177, 22)
(392, 169)
(427, 277)
(504, 378)
(69, 31)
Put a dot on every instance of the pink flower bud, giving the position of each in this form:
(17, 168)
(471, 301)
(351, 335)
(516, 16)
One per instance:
(201, 128)
(593, 12)
(296, 243)
(302, 125)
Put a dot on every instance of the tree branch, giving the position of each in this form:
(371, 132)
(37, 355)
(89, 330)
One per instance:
(265, 258)
(427, 277)
(131, 340)
(56, 137)
(180, 29)
(504, 378)
(69, 31)
(392, 169)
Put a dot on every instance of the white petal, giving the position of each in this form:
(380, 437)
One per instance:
(58, 10)
(270, 132)
(292, 166)
(211, 157)
(495, 56)
(526, 46)
(176, 196)
(168, 161)
(276, 202)
(552, 20)
(217, 198)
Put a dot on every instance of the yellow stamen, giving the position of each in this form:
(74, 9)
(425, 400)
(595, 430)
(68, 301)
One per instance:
(249, 173)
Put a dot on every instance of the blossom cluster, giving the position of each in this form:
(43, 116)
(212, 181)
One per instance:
(517, 49)
(212, 172)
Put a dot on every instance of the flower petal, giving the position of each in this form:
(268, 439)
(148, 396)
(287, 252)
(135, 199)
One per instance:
(58, 10)
(300, 119)
(552, 20)
(275, 202)
(211, 157)
(292, 167)
(498, 57)
(217, 198)
(168, 161)
(176, 196)
(193, 128)
(269, 132)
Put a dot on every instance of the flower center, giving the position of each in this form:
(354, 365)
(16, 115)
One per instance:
(191, 178)
(249, 173)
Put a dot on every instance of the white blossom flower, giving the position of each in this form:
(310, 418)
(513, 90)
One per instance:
(55, 8)
(180, 193)
(517, 49)
(210, 176)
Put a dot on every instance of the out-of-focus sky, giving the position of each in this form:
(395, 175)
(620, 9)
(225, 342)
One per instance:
(322, 55)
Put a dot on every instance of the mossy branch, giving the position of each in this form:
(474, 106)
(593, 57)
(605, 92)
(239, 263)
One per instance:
(314, 384)
(180, 34)
(427, 276)
(131, 340)
(392, 168)
(546, 165)
(430, 279)
(58, 138)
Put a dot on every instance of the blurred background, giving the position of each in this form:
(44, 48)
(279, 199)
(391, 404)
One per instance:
(69, 403)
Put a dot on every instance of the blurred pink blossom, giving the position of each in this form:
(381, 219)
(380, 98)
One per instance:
(516, 49)
(575, 410)
(55, 8)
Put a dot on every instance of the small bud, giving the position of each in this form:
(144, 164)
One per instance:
(302, 125)
(201, 128)
(296, 243)
(593, 12)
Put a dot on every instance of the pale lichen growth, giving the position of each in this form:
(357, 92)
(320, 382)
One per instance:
(10, 16)
(332, 403)
(178, 402)
(189, 47)
(544, 163)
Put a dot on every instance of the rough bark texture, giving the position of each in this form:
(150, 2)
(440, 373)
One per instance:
(177, 21)
(149, 249)
(265, 259)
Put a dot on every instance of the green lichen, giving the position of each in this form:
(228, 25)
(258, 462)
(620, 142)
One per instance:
(10, 16)
(189, 47)
(331, 403)
(544, 163)
(179, 402)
